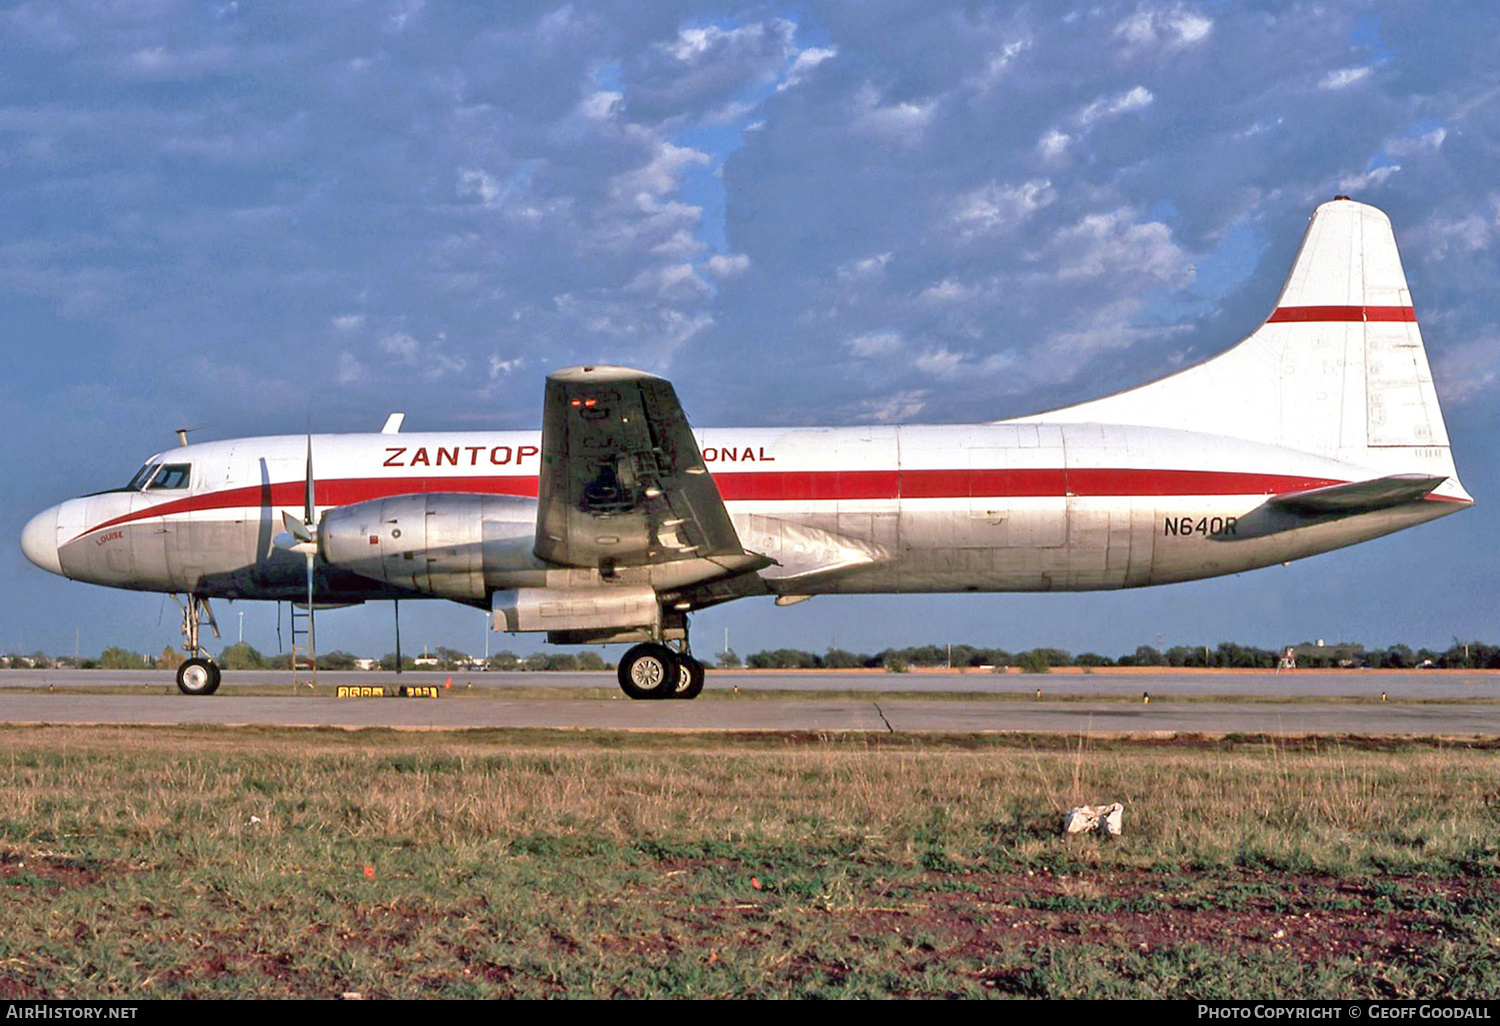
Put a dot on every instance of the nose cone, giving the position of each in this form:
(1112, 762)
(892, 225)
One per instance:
(39, 541)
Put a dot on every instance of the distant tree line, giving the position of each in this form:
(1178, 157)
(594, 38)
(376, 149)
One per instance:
(1226, 654)
(1471, 655)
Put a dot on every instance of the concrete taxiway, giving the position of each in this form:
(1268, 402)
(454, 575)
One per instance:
(1418, 704)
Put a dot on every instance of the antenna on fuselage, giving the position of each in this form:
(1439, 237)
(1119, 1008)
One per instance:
(182, 433)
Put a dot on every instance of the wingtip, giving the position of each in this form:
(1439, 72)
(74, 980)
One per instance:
(590, 372)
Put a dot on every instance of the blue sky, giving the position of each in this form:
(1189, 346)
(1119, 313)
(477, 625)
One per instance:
(241, 215)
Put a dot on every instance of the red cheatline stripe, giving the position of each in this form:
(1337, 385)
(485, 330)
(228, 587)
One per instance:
(782, 486)
(1287, 314)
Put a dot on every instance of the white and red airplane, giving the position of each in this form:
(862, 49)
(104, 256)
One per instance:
(1319, 430)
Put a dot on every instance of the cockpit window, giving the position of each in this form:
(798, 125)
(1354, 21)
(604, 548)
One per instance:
(173, 475)
(138, 483)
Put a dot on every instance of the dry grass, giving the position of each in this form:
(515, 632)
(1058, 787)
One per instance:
(211, 862)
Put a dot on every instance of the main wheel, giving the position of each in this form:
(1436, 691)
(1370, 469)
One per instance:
(648, 671)
(198, 676)
(690, 675)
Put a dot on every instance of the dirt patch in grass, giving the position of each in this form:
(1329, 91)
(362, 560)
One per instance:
(46, 869)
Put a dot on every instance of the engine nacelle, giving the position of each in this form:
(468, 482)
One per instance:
(437, 543)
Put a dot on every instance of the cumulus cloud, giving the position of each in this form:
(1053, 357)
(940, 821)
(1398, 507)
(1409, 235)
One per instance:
(804, 63)
(1343, 78)
(900, 407)
(903, 121)
(1468, 370)
(728, 265)
(1169, 26)
(1054, 143)
(1118, 243)
(874, 343)
(996, 207)
(349, 370)
(865, 268)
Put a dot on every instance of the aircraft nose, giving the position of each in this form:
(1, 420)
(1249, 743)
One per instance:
(39, 540)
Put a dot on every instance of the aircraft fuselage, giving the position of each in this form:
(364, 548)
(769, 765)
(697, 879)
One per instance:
(996, 507)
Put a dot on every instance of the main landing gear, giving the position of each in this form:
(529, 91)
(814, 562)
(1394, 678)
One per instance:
(199, 675)
(653, 670)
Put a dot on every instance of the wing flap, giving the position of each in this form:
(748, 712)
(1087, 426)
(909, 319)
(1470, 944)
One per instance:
(622, 480)
(1360, 496)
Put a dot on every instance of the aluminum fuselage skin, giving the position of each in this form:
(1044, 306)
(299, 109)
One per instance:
(972, 508)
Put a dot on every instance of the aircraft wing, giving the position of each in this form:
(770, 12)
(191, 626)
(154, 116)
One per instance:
(1360, 496)
(622, 480)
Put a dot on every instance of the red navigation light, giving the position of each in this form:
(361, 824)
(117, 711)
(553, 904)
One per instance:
(591, 402)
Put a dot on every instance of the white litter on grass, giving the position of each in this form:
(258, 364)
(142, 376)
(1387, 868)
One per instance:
(1088, 817)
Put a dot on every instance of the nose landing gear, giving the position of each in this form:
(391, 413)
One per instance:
(199, 675)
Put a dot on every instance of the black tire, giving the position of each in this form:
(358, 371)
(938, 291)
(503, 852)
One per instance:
(690, 677)
(198, 676)
(648, 671)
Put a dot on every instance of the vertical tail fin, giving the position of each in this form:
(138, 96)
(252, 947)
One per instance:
(1338, 368)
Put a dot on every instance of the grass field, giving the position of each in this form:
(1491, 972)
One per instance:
(139, 862)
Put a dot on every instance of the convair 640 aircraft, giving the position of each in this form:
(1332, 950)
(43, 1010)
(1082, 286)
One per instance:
(617, 520)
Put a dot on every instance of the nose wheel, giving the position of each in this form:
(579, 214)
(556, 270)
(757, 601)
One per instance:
(655, 671)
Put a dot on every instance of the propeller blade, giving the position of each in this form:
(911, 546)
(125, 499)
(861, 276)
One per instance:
(307, 508)
(295, 527)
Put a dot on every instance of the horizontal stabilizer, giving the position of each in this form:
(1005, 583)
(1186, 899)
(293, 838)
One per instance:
(1361, 496)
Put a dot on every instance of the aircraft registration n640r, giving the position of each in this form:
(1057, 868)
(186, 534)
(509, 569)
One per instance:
(617, 520)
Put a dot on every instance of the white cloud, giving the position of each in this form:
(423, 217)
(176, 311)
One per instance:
(1342, 78)
(995, 207)
(998, 62)
(874, 343)
(602, 105)
(946, 291)
(1461, 235)
(804, 63)
(400, 345)
(431, 360)
(350, 370)
(1137, 98)
(939, 361)
(1173, 26)
(904, 122)
(865, 268)
(1118, 244)
(500, 368)
(897, 408)
(349, 322)
(1468, 370)
(728, 265)
(661, 175)
(1054, 143)
(1409, 145)
(1368, 180)
(490, 190)
(672, 283)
